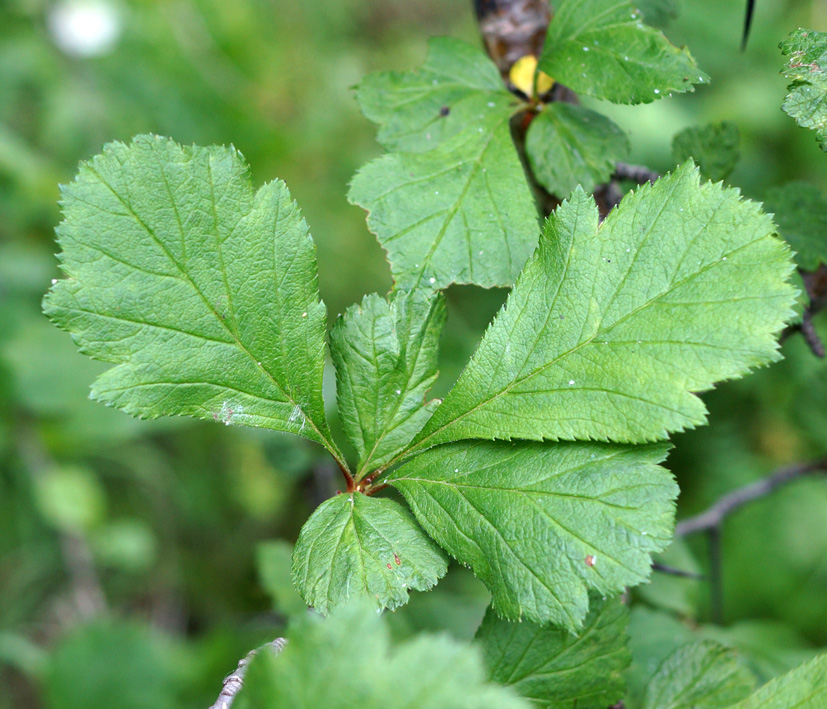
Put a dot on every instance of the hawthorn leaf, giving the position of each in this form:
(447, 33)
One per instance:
(806, 67)
(319, 668)
(355, 545)
(612, 327)
(418, 110)
(714, 147)
(541, 524)
(805, 687)
(556, 669)
(800, 210)
(569, 145)
(453, 205)
(702, 674)
(385, 352)
(202, 292)
(460, 213)
(602, 48)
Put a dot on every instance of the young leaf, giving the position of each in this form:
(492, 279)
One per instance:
(800, 210)
(807, 68)
(418, 110)
(541, 524)
(558, 670)
(460, 213)
(805, 687)
(603, 49)
(385, 354)
(611, 328)
(714, 147)
(356, 545)
(702, 674)
(456, 207)
(569, 145)
(346, 661)
(200, 291)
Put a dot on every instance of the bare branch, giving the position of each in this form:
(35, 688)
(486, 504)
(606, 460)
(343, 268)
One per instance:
(636, 173)
(235, 680)
(713, 517)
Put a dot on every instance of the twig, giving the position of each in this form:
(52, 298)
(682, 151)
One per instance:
(815, 283)
(713, 517)
(235, 680)
(636, 173)
(672, 571)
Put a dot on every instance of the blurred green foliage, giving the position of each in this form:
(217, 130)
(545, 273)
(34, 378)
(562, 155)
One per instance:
(128, 548)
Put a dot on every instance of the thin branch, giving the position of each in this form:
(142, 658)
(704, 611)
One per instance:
(235, 680)
(713, 517)
(815, 283)
(638, 174)
(672, 571)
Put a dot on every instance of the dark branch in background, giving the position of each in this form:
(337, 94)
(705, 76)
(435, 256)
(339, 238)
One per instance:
(672, 571)
(711, 522)
(715, 515)
(747, 23)
(635, 173)
(235, 680)
(815, 283)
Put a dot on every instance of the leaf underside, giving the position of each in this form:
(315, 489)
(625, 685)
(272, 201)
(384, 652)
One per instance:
(612, 328)
(541, 524)
(354, 545)
(555, 669)
(452, 205)
(807, 69)
(202, 292)
(602, 48)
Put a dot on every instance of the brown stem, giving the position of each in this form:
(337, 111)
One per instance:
(636, 173)
(235, 680)
(714, 516)
(512, 28)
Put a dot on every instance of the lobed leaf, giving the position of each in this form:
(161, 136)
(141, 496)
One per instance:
(800, 210)
(714, 147)
(611, 328)
(460, 213)
(701, 674)
(385, 354)
(806, 67)
(568, 145)
(555, 669)
(602, 48)
(354, 545)
(540, 524)
(347, 661)
(455, 207)
(805, 687)
(201, 292)
(418, 110)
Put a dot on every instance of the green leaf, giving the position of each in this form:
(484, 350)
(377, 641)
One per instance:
(418, 110)
(805, 687)
(800, 210)
(714, 147)
(355, 545)
(658, 13)
(541, 524)
(603, 49)
(385, 354)
(569, 145)
(807, 68)
(611, 328)
(704, 674)
(556, 669)
(200, 291)
(456, 207)
(347, 661)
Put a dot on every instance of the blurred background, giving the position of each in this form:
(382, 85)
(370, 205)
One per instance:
(140, 560)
